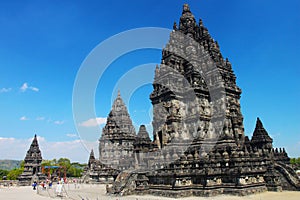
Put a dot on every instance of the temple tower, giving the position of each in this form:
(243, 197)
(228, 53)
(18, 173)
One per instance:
(261, 138)
(181, 99)
(91, 159)
(32, 164)
(117, 140)
(142, 145)
(143, 141)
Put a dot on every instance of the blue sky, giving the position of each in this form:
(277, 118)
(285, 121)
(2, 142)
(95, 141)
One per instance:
(43, 44)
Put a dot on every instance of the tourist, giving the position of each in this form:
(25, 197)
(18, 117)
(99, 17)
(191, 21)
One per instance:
(58, 189)
(34, 185)
(75, 183)
(50, 184)
(43, 185)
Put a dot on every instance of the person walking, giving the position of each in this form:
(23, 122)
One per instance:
(34, 185)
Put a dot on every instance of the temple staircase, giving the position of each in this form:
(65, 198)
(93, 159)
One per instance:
(130, 182)
(288, 176)
(124, 184)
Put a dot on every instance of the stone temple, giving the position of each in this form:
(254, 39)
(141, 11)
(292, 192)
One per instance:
(32, 165)
(199, 146)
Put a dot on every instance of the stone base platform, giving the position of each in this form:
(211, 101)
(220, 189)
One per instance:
(179, 192)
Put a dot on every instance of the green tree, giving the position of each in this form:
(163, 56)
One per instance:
(293, 161)
(64, 161)
(47, 163)
(14, 174)
(3, 173)
(74, 169)
(22, 164)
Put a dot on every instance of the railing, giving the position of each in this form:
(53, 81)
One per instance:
(293, 180)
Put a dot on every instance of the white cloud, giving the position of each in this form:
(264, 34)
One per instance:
(40, 118)
(93, 122)
(26, 87)
(34, 89)
(24, 118)
(3, 139)
(4, 90)
(40, 139)
(72, 135)
(275, 135)
(57, 122)
(74, 149)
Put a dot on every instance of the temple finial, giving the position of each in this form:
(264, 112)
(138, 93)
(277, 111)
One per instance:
(259, 123)
(200, 22)
(217, 44)
(187, 23)
(119, 93)
(92, 155)
(156, 70)
(186, 8)
(175, 26)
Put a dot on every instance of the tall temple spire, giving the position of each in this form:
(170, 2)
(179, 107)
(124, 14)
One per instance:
(174, 57)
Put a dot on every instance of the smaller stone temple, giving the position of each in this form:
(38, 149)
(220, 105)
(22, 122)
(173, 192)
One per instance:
(120, 148)
(142, 146)
(116, 144)
(32, 166)
(97, 172)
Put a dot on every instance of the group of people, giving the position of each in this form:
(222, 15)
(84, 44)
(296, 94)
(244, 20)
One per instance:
(43, 184)
(48, 185)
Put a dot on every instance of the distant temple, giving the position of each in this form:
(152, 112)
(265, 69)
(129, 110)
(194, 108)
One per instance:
(32, 165)
(199, 146)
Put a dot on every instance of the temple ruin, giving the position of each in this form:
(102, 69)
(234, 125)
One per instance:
(32, 165)
(199, 146)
